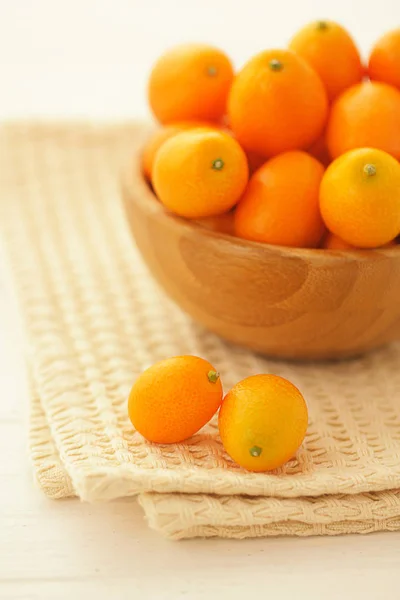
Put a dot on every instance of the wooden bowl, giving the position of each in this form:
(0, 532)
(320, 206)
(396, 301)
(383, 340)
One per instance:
(283, 302)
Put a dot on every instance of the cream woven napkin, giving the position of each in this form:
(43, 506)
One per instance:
(94, 319)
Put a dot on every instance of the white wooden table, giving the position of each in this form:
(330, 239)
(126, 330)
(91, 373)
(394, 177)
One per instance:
(91, 58)
(67, 549)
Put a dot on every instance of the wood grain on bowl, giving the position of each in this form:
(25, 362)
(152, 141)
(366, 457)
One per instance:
(283, 302)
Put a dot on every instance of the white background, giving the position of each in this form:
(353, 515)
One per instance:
(90, 59)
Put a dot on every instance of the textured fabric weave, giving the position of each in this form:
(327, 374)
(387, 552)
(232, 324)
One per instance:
(93, 320)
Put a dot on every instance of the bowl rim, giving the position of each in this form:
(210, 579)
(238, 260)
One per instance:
(134, 179)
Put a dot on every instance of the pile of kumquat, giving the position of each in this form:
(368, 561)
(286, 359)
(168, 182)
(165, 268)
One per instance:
(299, 148)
